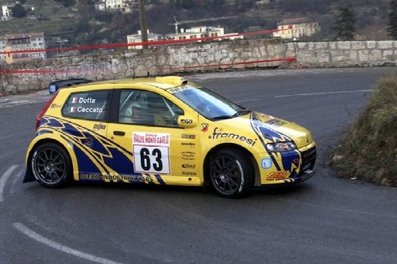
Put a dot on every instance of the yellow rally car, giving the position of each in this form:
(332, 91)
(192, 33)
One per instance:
(166, 131)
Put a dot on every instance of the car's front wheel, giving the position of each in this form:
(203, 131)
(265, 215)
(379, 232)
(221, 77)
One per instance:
(51, 165)
(231, 173)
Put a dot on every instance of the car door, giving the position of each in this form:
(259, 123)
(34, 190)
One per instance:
(160, 151)
(83, 124)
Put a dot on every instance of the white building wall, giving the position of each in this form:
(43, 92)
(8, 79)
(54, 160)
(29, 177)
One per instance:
(5, 13)
(34, 41)
(114, 4)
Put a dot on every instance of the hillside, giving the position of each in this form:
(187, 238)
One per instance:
(368, 151)
(81, 24)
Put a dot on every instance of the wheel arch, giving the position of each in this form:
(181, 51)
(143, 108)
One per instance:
(215, 149)
(29, 177)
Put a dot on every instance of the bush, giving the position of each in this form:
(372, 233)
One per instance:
(18, 11)
(369, 149)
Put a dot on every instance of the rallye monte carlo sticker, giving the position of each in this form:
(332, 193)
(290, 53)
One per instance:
(287, 163)
(98, 158)
(151, 152)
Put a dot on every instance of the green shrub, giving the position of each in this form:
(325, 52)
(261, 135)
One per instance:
(368, 151)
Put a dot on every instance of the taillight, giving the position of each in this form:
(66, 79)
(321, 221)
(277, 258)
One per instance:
(44, 110)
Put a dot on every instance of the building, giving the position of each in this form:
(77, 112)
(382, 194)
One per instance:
(100, 5)
(203, 32)
(125, 6)
(26, 41)
(137, 38)
(5, 13)
(296, 28)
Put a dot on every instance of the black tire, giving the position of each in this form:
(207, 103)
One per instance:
(51, 165)
(231, 173)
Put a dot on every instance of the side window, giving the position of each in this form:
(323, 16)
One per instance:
(87, 105)
(147, 108)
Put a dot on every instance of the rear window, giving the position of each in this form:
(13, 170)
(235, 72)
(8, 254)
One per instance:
(91, 105)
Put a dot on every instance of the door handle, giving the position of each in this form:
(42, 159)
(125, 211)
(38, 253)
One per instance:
(119, 133)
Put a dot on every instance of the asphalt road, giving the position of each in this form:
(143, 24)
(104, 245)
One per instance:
(324, 220)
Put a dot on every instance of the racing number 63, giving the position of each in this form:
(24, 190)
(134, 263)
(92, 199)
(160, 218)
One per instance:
(151, 159)
(146, 162)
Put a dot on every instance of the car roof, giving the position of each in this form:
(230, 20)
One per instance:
(165, 82)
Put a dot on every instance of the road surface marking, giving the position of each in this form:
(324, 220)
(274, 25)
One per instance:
(323, 93)
(3, 180)
(39, 238)
(15, 180)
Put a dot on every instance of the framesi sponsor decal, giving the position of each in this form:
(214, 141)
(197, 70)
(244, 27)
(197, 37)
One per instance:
(221, 135)
(157, 139)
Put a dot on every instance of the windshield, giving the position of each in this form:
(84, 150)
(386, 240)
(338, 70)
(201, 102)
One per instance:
(207, 103)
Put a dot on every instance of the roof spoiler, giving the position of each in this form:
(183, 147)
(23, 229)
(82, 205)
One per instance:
(56, 85)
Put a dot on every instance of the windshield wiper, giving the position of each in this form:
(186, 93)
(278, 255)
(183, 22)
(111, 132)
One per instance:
(241, 112)
(238, 113)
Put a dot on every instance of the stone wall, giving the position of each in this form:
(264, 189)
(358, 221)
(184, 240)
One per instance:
(344, 53)
(197, 57)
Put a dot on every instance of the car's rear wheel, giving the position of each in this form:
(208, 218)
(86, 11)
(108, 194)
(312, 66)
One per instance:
(231, 173)
(51, 165)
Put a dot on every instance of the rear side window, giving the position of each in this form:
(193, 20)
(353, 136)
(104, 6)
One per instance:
(91, 105)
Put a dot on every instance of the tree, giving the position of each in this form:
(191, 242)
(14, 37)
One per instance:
(68, 3)
(345, 21)
(142, 22)
(393, 19)
(18, 11)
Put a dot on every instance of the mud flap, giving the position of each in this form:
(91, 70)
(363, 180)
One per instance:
(28, 176)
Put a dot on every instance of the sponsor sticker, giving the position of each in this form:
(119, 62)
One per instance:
(99, 126)
(191, 144)
(275, 122)
(151, 152)
(56, 106)
(277, 175)
(188, 136)
(186, 121)
(204, 127)
(219, 134)
(189, 173)
(188, 166)
(188, 155)
(153, 139)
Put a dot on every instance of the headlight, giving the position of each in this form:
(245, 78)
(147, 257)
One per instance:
(280, 146)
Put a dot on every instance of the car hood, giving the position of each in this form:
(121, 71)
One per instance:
(271, 129)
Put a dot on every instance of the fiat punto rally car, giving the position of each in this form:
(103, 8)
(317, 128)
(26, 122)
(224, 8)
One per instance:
(165, 131)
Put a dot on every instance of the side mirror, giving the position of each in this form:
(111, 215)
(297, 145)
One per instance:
(187, 121)
(52, 88)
